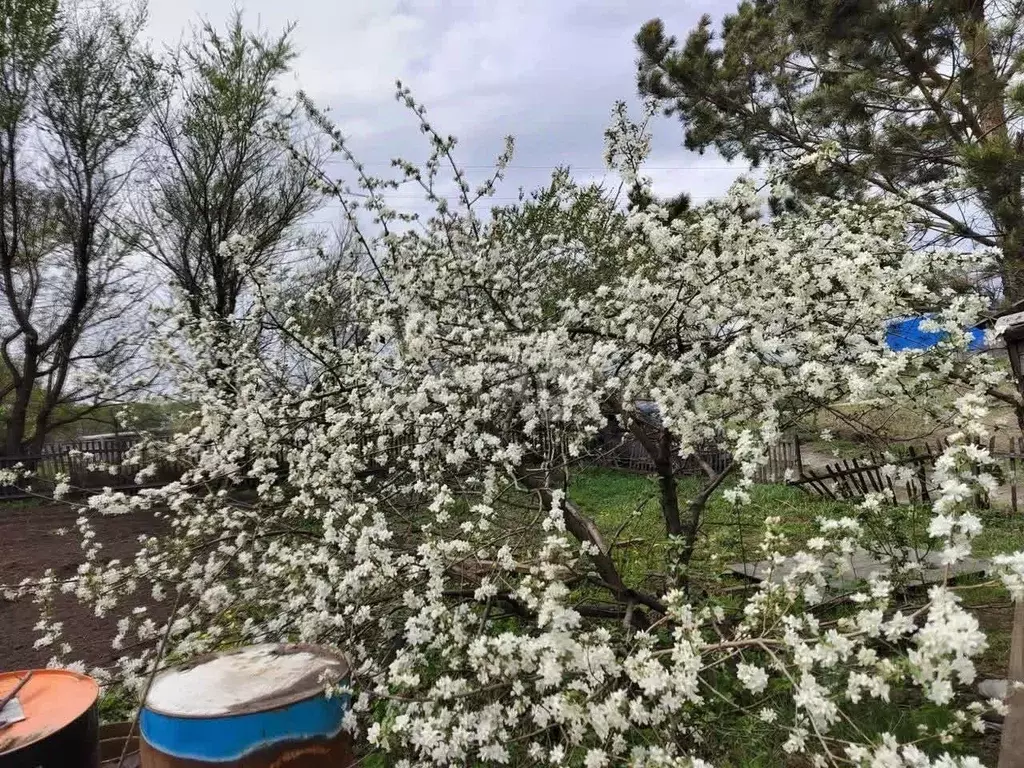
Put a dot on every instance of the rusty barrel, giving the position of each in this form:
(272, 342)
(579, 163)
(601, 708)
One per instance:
(60, 728)
(254, 707)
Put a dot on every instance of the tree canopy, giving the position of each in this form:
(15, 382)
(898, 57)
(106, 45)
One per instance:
(72, 104)
(221, 164)
(412, 503)
(918, 98)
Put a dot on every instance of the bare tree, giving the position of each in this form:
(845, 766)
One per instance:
(224, 163)
(73, 87)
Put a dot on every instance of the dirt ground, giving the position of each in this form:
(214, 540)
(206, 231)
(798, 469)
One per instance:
(29, 543)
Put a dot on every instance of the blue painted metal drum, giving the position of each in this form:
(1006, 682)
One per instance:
(260, 706)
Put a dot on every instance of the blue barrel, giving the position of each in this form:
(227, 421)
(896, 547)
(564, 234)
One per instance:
(256, 706)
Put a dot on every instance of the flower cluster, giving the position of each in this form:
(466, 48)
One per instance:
(403, 495)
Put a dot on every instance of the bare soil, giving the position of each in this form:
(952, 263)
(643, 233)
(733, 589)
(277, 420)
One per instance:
(29, 544)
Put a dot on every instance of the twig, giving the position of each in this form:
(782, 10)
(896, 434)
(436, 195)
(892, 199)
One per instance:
(149, 682)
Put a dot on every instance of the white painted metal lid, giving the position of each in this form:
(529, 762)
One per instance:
(252, 679)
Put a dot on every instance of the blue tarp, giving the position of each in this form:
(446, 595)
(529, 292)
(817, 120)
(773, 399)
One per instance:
(906, 333)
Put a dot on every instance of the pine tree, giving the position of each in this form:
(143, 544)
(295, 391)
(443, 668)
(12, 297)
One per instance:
(920, 98)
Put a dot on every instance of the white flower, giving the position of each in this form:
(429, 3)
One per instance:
(753, 678)
(941, 526)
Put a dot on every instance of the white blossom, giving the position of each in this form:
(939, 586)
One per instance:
(397, 487)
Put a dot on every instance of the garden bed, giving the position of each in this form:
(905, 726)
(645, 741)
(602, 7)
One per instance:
(31, 543)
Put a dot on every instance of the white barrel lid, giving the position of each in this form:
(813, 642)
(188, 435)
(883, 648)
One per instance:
(256, 678)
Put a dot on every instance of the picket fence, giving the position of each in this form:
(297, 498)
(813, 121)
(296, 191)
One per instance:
(851, 479)
(95, 464)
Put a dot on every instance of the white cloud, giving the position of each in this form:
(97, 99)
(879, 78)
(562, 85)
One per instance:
(546, 72)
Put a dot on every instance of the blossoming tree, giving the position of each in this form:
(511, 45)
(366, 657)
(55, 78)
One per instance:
(408, 500)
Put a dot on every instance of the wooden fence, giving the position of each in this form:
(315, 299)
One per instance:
(95, 464)
(855, 478)
(87, 464)
(845, 479)
(616, 448)
(784, 463)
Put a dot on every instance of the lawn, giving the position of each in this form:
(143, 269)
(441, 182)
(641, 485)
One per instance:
(625, 507)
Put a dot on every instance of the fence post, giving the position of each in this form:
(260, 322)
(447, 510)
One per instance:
(1013, 474)
(1011, 751)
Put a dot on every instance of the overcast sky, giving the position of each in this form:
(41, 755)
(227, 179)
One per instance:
(545, 71)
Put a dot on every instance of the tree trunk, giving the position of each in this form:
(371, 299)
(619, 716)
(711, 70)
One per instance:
(15, 426)
(34, 446)
(1011, 268)
(660, 453)
(1011, 751)
(16, 422)
(667, 486)
(998, 177)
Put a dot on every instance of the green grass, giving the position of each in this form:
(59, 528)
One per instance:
(116, 705)
(13, 505)
(626, 509)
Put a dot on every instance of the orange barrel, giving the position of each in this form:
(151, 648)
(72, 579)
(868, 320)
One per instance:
(254, 707)
(61, 725)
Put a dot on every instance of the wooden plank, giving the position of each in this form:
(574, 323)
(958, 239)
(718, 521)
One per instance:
(853, 481)
(850, 481)
(1018, 453)
(870, 478)
(856, 478)
(892, 489)
(922, 476)
(831, 473)
(1013, 475)
(829, 491)
(847, 570)
(1011, 751)
(819, 485)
